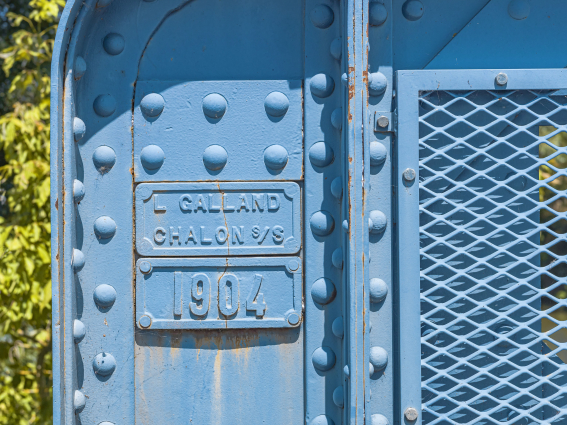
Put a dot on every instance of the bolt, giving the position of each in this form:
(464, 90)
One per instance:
(501, 79)
(409, 175)
(383, 122)
(411, 414)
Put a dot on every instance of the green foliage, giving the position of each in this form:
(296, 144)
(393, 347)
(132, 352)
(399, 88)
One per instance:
(25, 284)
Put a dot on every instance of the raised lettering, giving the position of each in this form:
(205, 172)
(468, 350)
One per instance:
(221, 234)
(212, 206)
(191, 236)
(273, 202)
(244, 203)
(225, 206)
(159, 235)
(205, 240)
(157, 207)
(178, 290)
(258, 201)
(278, 234)
(200, 203)
(237, 234)
(255, 300)
(174, 235)
(201, 295)
(228, 294)
(185, 202)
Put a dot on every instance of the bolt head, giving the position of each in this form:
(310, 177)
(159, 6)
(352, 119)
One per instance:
(383, 122)
(411, 414)
(409, 175)
(502, 79)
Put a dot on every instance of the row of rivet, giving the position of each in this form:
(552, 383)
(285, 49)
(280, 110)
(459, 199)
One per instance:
(104, 295)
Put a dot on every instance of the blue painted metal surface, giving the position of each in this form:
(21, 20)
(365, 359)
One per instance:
(236, 198)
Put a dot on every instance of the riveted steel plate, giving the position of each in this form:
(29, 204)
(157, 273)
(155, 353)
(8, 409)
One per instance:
(220, 130)
(180, 219)
(218, 293)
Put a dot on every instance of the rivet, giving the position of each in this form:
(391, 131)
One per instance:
(78, 190)
(339, 396)
(214, 105)
(145, 321)
(378, 419)
(323, 291)
(322, 420)
(378, 290)
(79, 129)
(412, 10)
(78, 260)
(378, 358)
(377, 222)
(378, 153)
(322, 85)
(322, 223)
(276, 104)
(104, 105)
(519, 9)
(337, 118)
(79, 330)
(337, 187)
(113, 44)
(321, 154)
(152, 105)
(344, 79)
(104, 227)
(377, 83)
(152, 157)
(104, 295)
(323, 358)
(409, 175)
(104, 158)
(370, 369)
(337, 258)
(411, 414)
(346, 371)
(322, 16)
(79, 401)
(293, 265)
(80, 68)
(104, 364)
(293, 319)
(383, 121)
(501, 79)
(337, 48)
(338, 327)
(275, 157)
(377, 14)
(215, 157)
(145, 267)
(345, 226)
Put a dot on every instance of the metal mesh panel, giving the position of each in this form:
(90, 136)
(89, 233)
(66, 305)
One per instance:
(493, 270)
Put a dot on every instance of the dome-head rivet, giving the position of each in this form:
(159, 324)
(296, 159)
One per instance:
(337, 118)
(104, 295)
(113, 44)
(337, 258)
(145, 267)
(412, 10)
(79, 401)
(339, 396)
(79, 330)
(104, 159)
(104, 227)
(322, 16)
(78, 190)
(321, 154)
(78, 260)
(322, 85)
(378, 419)
(80, 68)
(104, 105)
(323, 291)
(214, 106)
(377, 83)
(145, 321)
(152, 157)
(337, 188)
(378, 153)
(322, 223)
(323, 358)
(275, 157)
(104, 364)
(377, 14)
(276, 104)
(152, 105)
(215, 157)
(79, 129)
(378, 357)
(519, 9)
(337, 48)
(378, 290)
(377, 222)
(338, 327)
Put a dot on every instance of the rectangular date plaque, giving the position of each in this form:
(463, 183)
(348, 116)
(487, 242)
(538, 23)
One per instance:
(218, 293)
(198, 219)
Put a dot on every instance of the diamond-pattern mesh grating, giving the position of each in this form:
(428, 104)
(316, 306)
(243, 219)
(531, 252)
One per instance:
(493, 204)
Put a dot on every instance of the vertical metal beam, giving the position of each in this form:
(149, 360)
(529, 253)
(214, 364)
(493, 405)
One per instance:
(356, 222)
